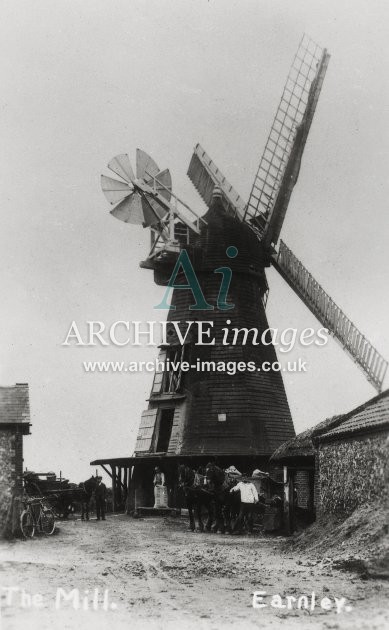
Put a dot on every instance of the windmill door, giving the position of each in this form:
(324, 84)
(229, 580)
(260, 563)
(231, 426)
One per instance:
(164, 429)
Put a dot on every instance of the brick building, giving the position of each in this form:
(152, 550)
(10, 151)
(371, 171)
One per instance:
(14, 424)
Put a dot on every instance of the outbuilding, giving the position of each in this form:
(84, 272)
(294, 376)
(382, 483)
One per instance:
(14, 424)
(337, 465)
(353, 459)
(298, 459)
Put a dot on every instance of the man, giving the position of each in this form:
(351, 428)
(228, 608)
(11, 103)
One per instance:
(233, 472)
(248, 498)
(100, 497)
(159, 482)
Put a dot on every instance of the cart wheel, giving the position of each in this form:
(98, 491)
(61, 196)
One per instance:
(27, 524)
(47, 521)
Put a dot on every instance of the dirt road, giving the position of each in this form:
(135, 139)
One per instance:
(153, 573)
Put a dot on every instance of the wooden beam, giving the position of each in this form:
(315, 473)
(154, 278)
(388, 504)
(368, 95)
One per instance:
(113, 476)
(106, 470)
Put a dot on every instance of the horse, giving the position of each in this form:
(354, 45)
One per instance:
(196, 495)
(85, 491)
(227, 504)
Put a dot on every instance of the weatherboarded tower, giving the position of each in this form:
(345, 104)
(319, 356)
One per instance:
(207, 411)
(238, 418)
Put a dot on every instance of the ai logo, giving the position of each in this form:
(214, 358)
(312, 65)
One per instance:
(184, 263)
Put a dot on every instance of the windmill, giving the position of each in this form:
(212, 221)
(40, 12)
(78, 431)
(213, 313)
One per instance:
(243, 418)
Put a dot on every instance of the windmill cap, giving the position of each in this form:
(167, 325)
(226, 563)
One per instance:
(217, 193)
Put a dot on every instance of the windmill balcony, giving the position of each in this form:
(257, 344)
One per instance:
(166, 255)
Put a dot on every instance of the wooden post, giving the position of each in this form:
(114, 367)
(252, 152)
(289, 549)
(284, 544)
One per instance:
(292, 503)
(113, 469)
(125, 486)
(287, 497)
(119, 487)
(127, 489)
(130, 502)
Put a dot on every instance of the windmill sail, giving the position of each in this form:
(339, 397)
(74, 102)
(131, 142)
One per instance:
(279, 166)
(331, 316)
(205, 175)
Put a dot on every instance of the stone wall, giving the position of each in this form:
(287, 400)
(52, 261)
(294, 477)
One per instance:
(352, 473)
(11, 470)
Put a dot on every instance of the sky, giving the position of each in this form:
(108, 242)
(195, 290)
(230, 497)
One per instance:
(85, 81)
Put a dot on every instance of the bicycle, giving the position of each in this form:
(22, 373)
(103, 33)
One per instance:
(36, 516)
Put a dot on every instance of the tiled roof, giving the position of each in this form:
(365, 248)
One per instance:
(373, 415)
(14, 404)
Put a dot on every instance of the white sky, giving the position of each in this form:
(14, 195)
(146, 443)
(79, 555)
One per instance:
(84, 81)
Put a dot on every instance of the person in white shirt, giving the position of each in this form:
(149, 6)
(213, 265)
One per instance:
(159, 481)
(248, 498)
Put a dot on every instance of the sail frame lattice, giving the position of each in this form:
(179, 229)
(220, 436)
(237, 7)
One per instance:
(289, 115)
(205, 175)
(331, 316)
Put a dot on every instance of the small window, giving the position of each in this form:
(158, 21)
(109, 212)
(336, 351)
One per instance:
(222, 417)
(159, 374)
(173, 375)
(170, 379)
